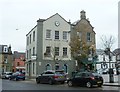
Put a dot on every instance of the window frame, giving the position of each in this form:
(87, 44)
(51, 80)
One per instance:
(65, 51)
(33, 35)
(56, 35)
(64, 35)
(48, 34)
(88, 36)
(48, 50)
(57, 51)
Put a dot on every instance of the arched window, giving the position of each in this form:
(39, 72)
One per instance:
(48, 67)
(65, 68)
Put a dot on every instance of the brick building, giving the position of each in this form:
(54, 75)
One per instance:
(19, 61)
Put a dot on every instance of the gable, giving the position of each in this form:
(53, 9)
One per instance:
(84, 25)
(58, 18)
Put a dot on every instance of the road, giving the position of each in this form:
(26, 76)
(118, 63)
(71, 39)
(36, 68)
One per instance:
(31, 85)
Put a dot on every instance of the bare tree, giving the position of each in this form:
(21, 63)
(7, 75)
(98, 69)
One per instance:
(107, 41)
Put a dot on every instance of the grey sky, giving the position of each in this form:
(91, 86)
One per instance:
(23, 14)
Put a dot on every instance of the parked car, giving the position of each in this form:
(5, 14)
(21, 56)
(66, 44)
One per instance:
(52, 77)
(6, 75)
(17, 76)
(88, 79)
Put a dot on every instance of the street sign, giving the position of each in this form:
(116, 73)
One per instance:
(33, 57)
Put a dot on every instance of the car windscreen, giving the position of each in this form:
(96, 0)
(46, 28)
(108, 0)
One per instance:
(96, 74)
(59, 72)
(9, 73)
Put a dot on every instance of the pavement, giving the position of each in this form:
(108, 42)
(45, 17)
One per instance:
(112, 84)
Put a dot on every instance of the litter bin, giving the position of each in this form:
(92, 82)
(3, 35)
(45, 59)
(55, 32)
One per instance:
(111, 77)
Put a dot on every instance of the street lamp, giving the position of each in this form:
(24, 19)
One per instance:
(108, 52)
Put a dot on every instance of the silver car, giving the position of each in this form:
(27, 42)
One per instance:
(52, 77)
(6, 75)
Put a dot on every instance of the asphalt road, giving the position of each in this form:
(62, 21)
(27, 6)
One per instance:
(31, 86)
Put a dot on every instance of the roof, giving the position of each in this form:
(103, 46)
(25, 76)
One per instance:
(1, 48)
(17, 55)
(78, 21)
(42, 20)
(117, 51)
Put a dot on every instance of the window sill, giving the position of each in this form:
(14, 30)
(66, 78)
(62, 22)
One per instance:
(56, 40)
(65, 56)
(48, 39)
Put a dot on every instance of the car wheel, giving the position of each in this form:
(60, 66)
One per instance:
(10, 79)
(88, 84)
(37, 81)
(99, 85)
(50, 82)
(62, 82)
(70, 83)
(16, 79)
(23, 78)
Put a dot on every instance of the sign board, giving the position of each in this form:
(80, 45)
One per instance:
(33, 57)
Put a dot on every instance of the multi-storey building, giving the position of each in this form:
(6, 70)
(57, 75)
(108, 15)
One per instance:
(48, 46)
(86, 33)
(119, 24)
(5, 58)
(18, 61)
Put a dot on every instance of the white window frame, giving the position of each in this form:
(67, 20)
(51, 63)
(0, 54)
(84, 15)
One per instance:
(57, 51)
(56, 35)
(48, 34)
(88, 36)
(48, 54)
(64, 51)
(33, 35)
(64, 35)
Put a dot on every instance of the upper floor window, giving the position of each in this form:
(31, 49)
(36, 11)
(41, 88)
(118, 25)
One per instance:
(5, 49)
(56, 51)
(48, 33)
(33, 35)
(30, 53)
(18, 63)
(27, 40)
(30, 38)
(33, 51)
(27, 54)
(48, 50)
(79, 34)
(64, 51)
(88, 36)
(64, 35)
(56, 34)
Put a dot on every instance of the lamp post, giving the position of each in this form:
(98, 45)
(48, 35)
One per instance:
(108, 52)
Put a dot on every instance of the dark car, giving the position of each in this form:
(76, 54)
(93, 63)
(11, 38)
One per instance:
(88, 79)
(17, 76)
(52, 77)
(6, 75)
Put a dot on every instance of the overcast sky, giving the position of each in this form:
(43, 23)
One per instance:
(23, 14)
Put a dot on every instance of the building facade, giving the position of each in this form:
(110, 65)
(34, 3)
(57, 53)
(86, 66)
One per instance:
(85, 31)
(48, 46)
(18, 61)
(118, 24)
(5, 58)
(103, 63)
